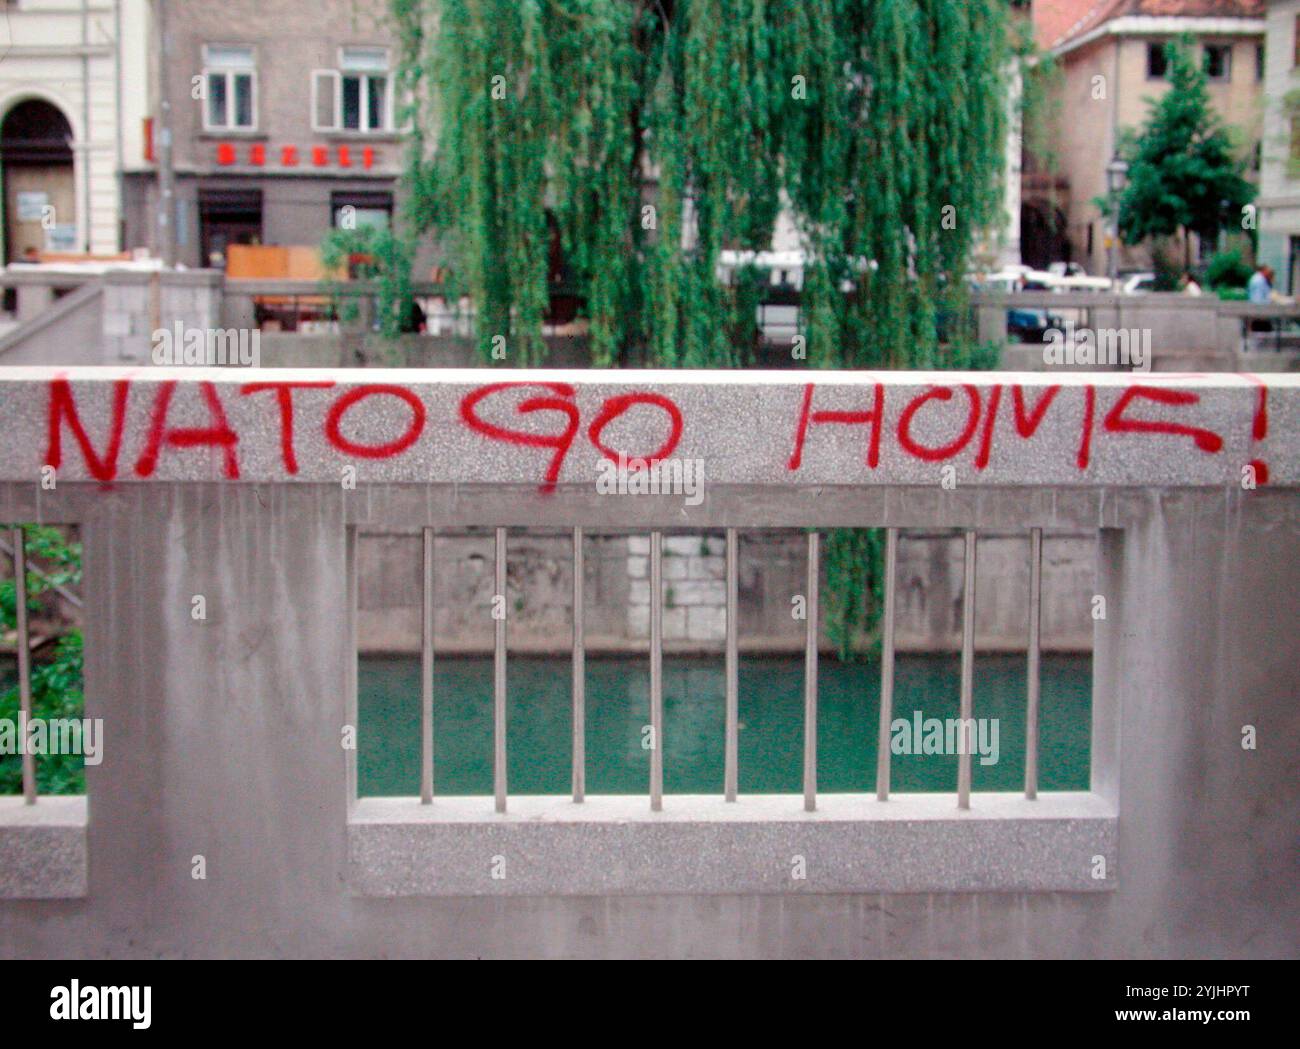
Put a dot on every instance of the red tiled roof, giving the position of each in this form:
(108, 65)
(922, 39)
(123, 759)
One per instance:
(1057, 21)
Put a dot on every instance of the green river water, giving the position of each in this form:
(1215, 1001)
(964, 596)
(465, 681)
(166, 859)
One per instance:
(771, 724)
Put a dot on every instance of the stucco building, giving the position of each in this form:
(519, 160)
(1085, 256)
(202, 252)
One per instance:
(1279, 189)
(282, 113)
(1111, 65)
(73, 106)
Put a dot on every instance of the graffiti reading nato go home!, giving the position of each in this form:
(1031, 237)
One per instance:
(542, 422)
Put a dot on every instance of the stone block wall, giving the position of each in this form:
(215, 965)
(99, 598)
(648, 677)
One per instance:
(771, 572)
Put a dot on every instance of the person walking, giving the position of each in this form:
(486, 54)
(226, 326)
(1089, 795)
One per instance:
(1259, 289)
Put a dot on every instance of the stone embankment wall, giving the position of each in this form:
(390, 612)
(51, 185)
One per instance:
(771, 572)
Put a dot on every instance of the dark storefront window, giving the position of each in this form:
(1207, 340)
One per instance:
(228, 216)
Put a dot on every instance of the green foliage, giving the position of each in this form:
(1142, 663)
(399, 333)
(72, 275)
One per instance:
(854, 558)
(977, 356)
(1183, 176)
(1042, 78)
(372, 253)
(57, 680)
(866, 117)
(642, 139)
(1227, 269)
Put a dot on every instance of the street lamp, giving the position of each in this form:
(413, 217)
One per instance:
(1116, 180)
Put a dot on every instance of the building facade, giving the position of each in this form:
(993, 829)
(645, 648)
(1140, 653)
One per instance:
(283, 120)
(1279, 191)
(1111, 67)
(73, 102)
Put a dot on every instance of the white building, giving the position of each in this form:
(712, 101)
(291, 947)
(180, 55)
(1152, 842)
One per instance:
(1279, 191)
(73, 108)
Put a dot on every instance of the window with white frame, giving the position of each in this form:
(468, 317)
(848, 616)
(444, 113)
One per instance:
(358, 96)
(230, 87)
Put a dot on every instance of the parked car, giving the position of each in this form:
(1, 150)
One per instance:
(1083, 283)
(1024, 323)
(1138, 283)
(1066, 269)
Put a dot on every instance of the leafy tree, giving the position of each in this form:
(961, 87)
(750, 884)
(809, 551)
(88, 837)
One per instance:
(56, 681)
(644, 137)
(1183, 176)
(636, 140)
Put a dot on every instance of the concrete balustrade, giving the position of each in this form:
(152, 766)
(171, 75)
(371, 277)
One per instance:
(121, 308)
(1184, 332)
(223, 736)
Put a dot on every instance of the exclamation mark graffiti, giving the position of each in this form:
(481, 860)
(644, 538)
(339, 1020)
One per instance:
(1259, 428)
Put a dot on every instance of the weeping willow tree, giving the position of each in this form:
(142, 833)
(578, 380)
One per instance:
(637, 140)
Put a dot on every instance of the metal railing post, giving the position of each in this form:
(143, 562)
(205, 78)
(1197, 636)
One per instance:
(731, 761)
(887, 665)
(810, 676)
(24, 659)
(579, 673)
(656, 673)
(1032, 668)
(426, 673)
(499, 678)
(967, 675)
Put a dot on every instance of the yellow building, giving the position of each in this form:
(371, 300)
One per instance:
(73, 103)
(1110, 66)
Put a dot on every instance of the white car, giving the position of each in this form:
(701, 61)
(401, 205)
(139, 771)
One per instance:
(1139, 283)
(1066, 269)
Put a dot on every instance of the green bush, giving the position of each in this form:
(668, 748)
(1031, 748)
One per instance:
(369, 253)
(1227, 269)
(57, 679)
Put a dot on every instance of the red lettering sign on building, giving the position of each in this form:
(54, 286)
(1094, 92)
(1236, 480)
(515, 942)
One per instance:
(257, 155)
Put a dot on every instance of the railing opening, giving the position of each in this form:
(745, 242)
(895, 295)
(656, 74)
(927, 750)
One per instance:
(45, 738)
(483, 671)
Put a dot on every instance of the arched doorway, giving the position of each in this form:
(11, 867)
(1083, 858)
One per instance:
(40, 200)
(1042, 235)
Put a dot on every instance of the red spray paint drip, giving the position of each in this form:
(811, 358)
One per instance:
(1259, 428)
